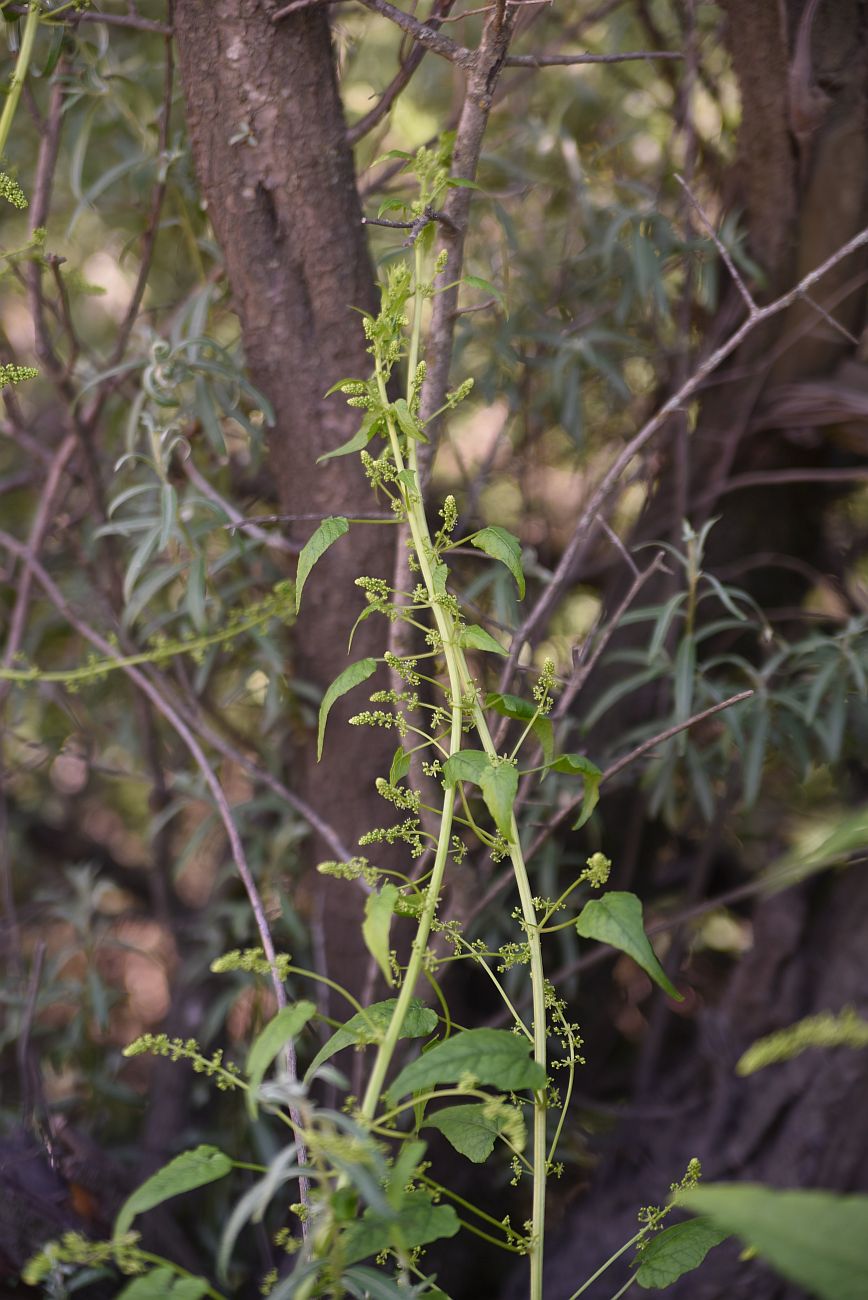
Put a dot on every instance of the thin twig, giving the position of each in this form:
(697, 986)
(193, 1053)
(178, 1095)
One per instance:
(487, 9)
(274, 541)
(149, 240)
(647, 745)
(565, 813)
(245, 521)
(574, 551)
(584, 669)
(726, 257)
(401, 79)
(415, 227)
(131, 20)
(421, 32)
(780, 477)
(27, 1068)
(215, 738)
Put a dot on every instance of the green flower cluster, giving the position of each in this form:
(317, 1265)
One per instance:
(12, 374)
(12, 191)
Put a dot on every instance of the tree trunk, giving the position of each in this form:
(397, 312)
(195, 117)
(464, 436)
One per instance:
(269, 143)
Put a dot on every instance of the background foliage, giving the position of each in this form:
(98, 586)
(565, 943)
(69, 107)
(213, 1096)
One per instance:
(594, 288)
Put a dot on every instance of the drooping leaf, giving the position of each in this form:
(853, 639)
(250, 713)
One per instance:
(400, 766)
(325, 536)
(410, 426)
(417, 1221)
(379, 910)
(189, 1170)
(616, 919)
(850, 835)
(492, 1056)
(498, 781)
(485, 286)
(352, 676)
(476, 638)
(577, 764)
(502, 545)
(365, 1027)
(288, 1022)
(675, 1251)
(815, 1239)
(474, 1128)
(253, 1205)
(499, 787)
(359, 440)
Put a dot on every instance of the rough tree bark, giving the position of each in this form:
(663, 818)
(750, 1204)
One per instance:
(269, 143)
(800, 401)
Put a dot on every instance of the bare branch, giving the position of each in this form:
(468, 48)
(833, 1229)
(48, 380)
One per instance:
(401, 79)
(165, 708)
(131, 20)
(149, 240)
(423, 33)
(726, 257)
(584, 669)
(574, 551)
(273, 540)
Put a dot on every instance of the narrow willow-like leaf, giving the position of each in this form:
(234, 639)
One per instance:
(814, 1239)
(352, 676)
(616, 919)
(325, 536)
(676, 1251)
(502, 545)
(365, 1026)
(491, 1056)
(288, 1022)
(474, 1128)
(189, 1170)
(379, 910)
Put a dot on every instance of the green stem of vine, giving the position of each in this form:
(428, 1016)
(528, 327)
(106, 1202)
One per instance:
(16, 82)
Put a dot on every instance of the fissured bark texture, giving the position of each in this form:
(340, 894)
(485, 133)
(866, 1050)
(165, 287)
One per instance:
(269, 144)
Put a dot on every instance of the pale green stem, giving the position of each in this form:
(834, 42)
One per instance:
(419, 532)
(537, 975)
(19, 73)
(461, 685)
(609, 1262)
